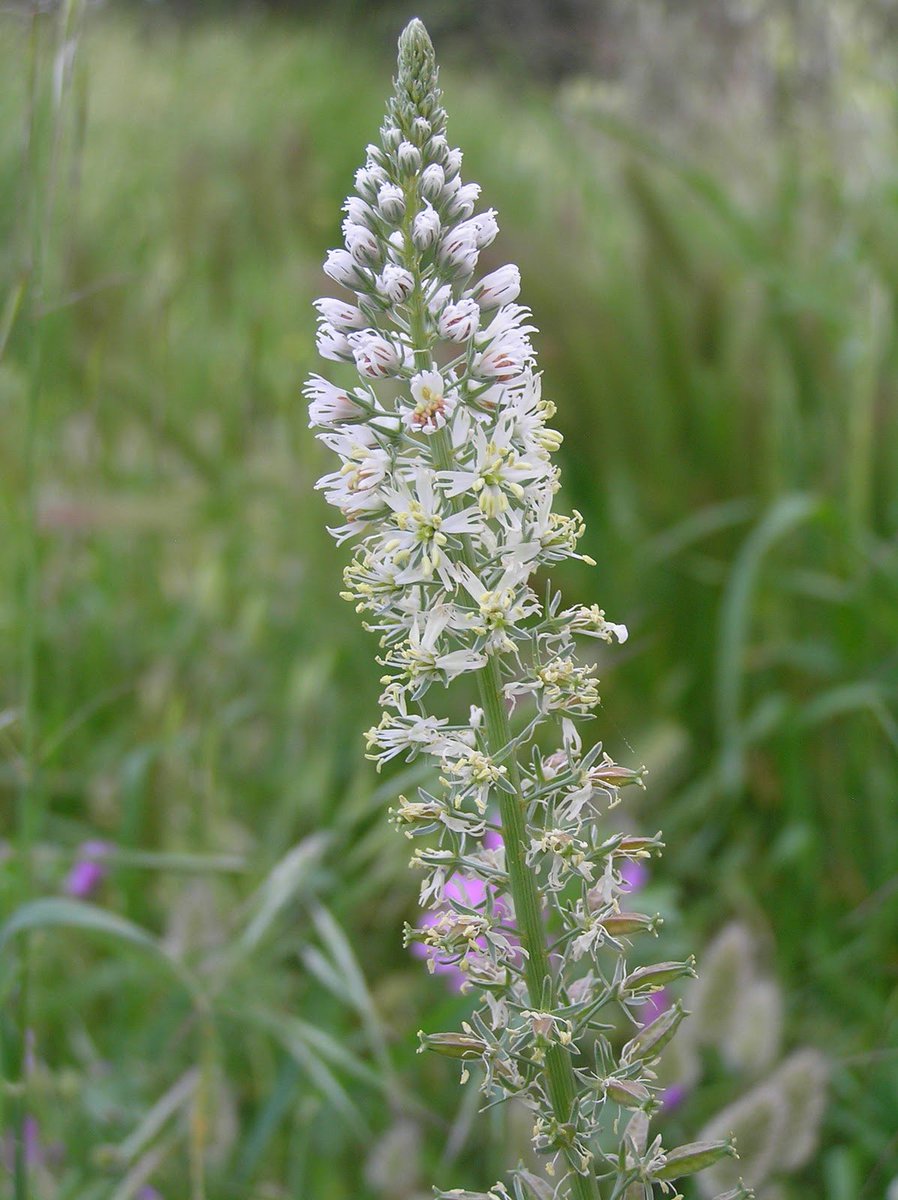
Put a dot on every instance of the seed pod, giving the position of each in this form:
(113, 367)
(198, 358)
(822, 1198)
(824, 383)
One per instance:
(628, 1093)
(652, 1039)
(453, 1045)
(619, 924)
(658, 975)
(694, 1157)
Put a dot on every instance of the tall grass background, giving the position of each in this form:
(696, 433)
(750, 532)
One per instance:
(231, 1014)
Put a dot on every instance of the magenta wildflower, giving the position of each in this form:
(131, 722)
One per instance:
(88, 871)
(634, 875)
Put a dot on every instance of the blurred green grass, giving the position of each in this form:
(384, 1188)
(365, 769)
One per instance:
(720, 343)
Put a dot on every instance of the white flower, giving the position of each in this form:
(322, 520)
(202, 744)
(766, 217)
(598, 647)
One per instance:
(496, 475)
(421, 526)
(499, 287)
(329, 405)
(375, 356)
(450, 528)
(433, 402)
(400, 733)
(458, 322)
(453, 162)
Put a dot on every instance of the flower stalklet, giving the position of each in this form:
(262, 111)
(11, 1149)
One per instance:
(447, 486)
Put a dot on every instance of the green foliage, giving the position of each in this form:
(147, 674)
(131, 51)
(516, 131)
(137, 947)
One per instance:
(720, 341)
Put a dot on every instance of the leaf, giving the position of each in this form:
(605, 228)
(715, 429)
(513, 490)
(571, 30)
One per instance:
(58, 912)
(286, 880)
(735, 621)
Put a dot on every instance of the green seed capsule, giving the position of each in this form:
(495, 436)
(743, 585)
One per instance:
(652, 1039)
(626, 1092)
(658, 976)
(624, 923)
(687, 1160)
(453, 1045)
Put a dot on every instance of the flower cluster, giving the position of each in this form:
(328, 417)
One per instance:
(446, 484)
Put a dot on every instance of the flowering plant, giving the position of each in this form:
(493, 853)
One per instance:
(447, 483)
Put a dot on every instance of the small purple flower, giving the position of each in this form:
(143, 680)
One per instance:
(672, 1097)
(473, 894)
(148, 1193)
(470, 892)
(36, 1152)
(634, 875)
(88, 871)
(657, 1003)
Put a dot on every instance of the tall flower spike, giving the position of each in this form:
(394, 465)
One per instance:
(446, 484)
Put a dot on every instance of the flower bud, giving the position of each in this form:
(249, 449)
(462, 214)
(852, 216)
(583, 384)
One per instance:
(408, 158)
(375, 356)
(376, 156)
(499, 287)
(358, 212)
(340, 314)
(452, 165)
(438, 148)
(391, 202)
(504, 360)
(461, 206)
(425, 228)
(486, 227)
(696, 1156)
(367, 180)
(433, 180)
(458, 251)
(459, 322)
(332, 343)
(342, 268)
(363, 245)
(395, 283)
(421, 130)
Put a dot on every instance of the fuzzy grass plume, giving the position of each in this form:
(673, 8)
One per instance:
(446, 485)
